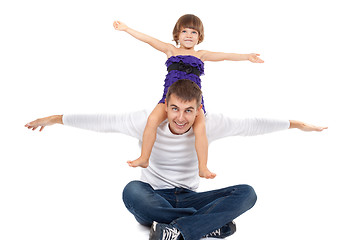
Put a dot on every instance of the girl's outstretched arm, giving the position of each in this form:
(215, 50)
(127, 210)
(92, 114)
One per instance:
(220, 56)
(155, 43)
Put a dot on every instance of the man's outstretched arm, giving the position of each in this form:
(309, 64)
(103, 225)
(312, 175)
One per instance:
(219, 126)
(46, 121)
(131, 124)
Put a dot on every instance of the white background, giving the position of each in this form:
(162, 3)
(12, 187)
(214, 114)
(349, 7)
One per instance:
(59, 57)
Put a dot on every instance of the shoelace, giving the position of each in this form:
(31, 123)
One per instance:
(170, 234)
(214, 233)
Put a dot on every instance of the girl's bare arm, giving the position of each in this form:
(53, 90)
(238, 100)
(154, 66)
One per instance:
(220, 56)
(155, 43)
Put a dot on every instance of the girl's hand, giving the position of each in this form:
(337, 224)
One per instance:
(120, 26)
(253, 57)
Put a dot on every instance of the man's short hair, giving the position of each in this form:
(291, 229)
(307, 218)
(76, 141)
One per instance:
(186, 90)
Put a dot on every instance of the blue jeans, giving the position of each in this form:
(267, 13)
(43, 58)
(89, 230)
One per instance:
(194, 214)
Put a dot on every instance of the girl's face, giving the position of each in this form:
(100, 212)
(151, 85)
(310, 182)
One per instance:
(188, 38)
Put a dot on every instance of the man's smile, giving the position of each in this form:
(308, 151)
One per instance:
(180, 124)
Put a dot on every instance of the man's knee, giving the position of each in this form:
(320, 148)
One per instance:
(247, 195)
(133, 197)
(131, 193)
(252, 195)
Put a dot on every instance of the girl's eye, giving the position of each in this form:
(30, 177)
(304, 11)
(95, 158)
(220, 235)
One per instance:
(194, 32)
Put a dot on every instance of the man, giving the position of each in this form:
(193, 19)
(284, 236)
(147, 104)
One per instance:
(165, 198)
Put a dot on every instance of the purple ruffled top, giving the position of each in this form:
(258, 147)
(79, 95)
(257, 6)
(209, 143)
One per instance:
(175, 75)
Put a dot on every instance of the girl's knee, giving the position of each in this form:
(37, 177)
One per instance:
(157, 116)
(153, 121)
(199, 126)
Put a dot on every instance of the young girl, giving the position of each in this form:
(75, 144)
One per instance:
(183, 63)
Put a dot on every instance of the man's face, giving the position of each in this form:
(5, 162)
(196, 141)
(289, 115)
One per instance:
(181, 115)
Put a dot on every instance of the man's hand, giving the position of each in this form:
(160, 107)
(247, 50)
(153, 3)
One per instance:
(253, 57)
(43, 122)
(120, 26)
(305, 127)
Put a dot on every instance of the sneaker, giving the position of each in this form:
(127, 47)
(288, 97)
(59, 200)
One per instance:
(223, 232)
(161, 231)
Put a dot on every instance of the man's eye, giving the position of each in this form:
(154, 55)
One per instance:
(174, 109)
(188, 111)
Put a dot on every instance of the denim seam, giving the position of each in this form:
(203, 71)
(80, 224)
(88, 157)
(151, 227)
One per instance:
(212, 207)
(179, 228)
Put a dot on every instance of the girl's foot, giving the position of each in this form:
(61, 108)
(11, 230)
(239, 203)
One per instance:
(140, 162)
(205, 173)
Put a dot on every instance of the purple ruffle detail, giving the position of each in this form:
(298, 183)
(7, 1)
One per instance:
(187, 59)
(175, 75)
